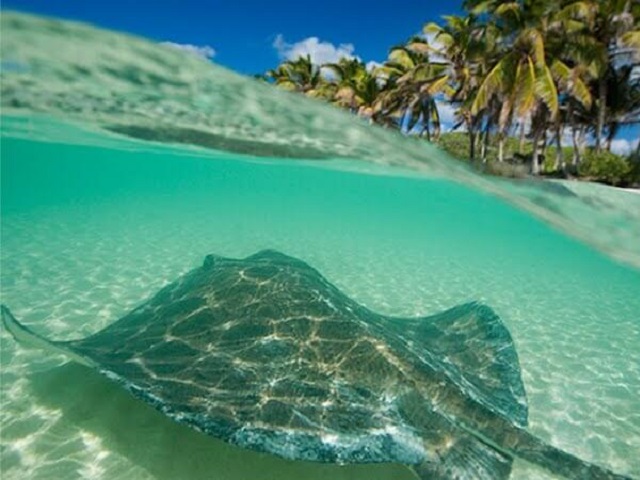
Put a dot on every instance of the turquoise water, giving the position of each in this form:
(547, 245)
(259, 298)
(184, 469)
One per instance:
(89, 232)
(93, 222)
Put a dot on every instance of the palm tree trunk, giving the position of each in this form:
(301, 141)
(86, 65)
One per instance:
(522, 138)
(500, 147)
(535, 165)
(485, 144)
(485, 141)
(581, 138)
(602, 110)
(574, 136)
(472, 145)
(559, 164)
(472, 139)
(612, 130)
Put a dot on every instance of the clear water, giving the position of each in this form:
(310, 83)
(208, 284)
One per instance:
(93, 223)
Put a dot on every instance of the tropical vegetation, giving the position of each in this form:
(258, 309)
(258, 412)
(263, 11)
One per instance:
(545, 84)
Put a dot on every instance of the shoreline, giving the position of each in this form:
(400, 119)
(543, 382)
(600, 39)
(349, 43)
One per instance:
(630, 190)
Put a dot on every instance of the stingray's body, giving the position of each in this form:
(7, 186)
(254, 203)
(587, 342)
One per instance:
(266, 354)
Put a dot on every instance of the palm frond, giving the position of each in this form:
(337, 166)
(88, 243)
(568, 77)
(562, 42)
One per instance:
(491, 84)
(581, 10)
(631, 40)
(525, 92)
(546, 90)
(401, 56)
(508, 8)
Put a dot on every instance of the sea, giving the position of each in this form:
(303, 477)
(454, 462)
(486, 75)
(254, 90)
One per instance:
(125, 162)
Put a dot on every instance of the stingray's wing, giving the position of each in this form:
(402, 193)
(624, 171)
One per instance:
(473, 347)
(470, 367)
(241, 387)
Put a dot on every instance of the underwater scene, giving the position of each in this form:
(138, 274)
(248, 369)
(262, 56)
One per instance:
(503, 312)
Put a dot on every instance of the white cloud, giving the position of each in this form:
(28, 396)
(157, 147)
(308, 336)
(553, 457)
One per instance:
(623, 147)
(204, 51)
(320, 52)
(371, 65)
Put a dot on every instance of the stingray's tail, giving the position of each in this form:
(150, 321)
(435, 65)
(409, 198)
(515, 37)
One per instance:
(534, 450)
(27, 337)
(464, 458)
(473, 456)
(24, 335)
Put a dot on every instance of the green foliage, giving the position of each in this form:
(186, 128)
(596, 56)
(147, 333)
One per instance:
(633, 178)
(605, 167)
(456, 144)
(549, 162)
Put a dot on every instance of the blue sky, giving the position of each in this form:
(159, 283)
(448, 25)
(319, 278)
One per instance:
(243, 33)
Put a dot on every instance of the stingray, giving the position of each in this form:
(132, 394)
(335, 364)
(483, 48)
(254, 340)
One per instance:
(265, 353)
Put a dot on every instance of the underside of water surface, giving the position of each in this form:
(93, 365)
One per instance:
(124, 163)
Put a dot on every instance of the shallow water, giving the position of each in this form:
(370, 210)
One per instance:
(93, 223)
(91, 234)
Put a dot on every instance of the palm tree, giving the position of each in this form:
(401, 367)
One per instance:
(623, 105)
(607, 26)
(538, 63)
(355, 87)
(575, 99)
(523, 83)
(466, 45)
(300, 75)
(572, 76)
(347, 73)
(413, 86)
(368, 90)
